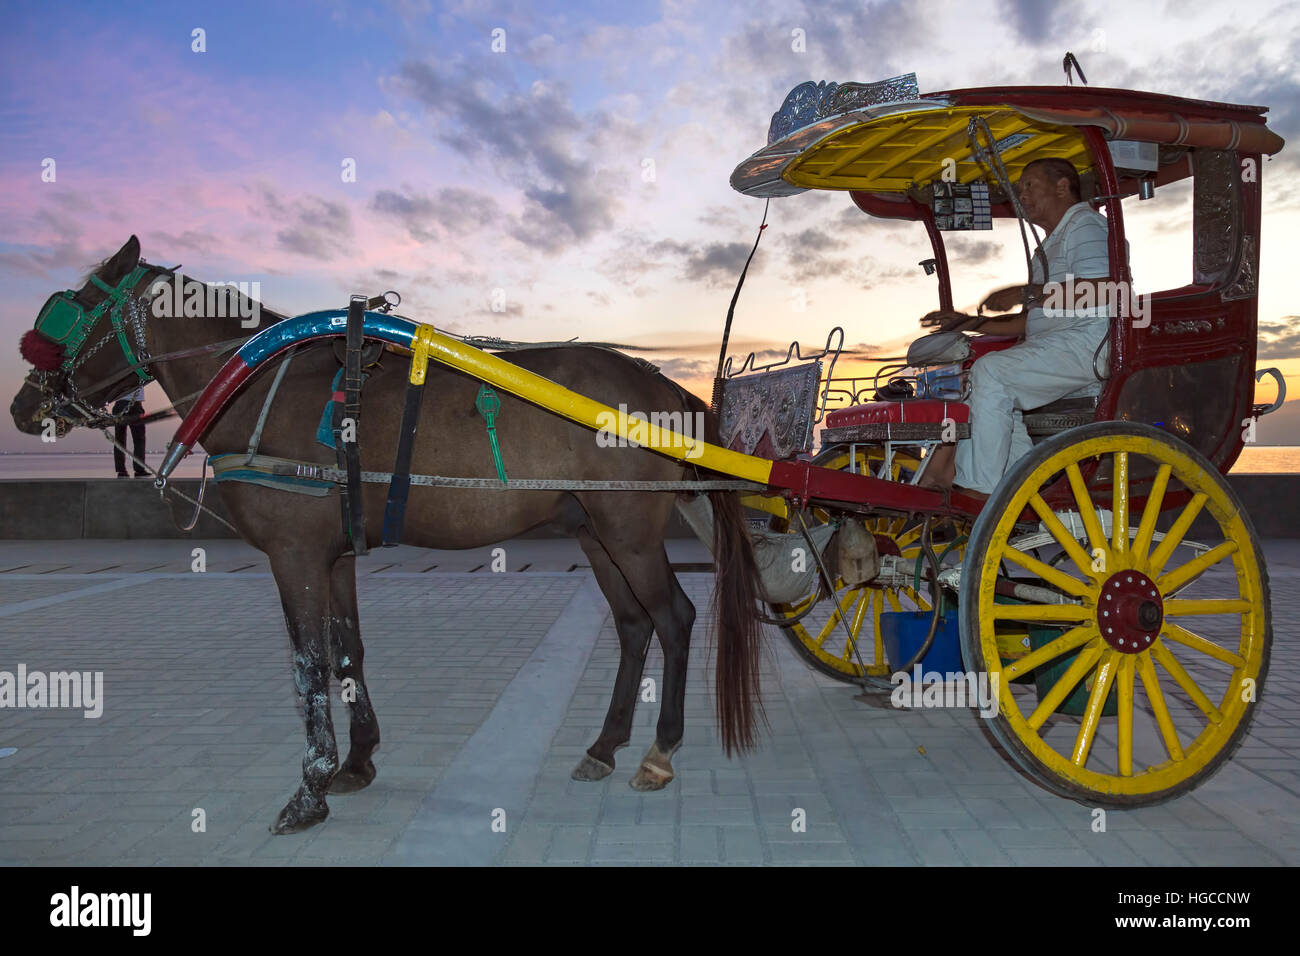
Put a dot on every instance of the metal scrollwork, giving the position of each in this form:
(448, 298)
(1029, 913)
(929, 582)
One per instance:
(771, 413)
(809, 102)
(1185, 326)
(1215, 214)
(1245, 284)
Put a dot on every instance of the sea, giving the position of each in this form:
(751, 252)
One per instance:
(1254, 460)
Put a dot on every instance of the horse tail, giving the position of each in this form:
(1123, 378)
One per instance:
(737, 624)
(735, 602)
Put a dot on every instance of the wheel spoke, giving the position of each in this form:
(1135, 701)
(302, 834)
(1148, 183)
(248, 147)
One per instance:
(855, 629)
(1069, 613)
(1092, 711)
(1174, 632)
(1086, 660)
(1124, 693)
(1063, 537)
(1087, 510)
(921, 603)
(1194, 568)
(1175, 536)
(1184, 680)
(893, 600)
(1147, 671)
(1067, 583)
(877, 606)
(1142, 543)
(1178, 607)
(1074, 637)
(835, 616)
(1119, 509)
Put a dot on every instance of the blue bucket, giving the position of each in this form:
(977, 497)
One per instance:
(903, 633)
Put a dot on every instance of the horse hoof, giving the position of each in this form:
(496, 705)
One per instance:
(656, 770)
(590, 770)
(350, 781)
(299, 815)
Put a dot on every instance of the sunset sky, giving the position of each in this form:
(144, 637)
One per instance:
(525, 170)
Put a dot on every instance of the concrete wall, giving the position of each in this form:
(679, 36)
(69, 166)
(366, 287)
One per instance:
(129, 508)
(103, 508)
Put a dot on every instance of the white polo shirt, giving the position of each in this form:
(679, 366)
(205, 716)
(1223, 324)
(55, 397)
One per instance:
(1077, 247)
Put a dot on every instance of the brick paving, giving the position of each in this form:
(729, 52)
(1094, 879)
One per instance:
(199, 713)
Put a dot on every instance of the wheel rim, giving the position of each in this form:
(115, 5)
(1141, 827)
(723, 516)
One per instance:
(820, 634)
(1184, 688)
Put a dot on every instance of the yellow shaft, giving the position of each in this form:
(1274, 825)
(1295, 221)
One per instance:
(595, 415)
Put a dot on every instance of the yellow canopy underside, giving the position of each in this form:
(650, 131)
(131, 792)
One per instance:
(899, 150)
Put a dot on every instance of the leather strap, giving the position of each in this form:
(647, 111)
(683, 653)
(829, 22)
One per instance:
(400, 486)
(349, 452)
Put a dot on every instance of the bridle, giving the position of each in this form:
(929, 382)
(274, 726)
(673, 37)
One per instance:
(66, 322)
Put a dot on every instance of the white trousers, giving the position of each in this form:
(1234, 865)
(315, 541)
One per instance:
(1003, 384)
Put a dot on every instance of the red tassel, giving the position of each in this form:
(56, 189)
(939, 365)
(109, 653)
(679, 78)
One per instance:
(40, 352)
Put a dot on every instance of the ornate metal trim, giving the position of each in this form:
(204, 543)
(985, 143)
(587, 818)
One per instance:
(809, 102)
(1185, 326)
(1245, 284)
(772, 412)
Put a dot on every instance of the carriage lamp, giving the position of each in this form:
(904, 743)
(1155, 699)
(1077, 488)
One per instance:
(929, 265)
(1146, 188)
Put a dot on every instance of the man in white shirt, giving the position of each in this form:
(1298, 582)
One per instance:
(1055, 356)
(130, 404)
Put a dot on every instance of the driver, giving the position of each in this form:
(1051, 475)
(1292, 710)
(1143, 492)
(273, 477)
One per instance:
(1055, 356)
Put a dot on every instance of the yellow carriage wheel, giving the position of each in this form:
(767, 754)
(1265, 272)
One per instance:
(1161, 643)
(815, 624)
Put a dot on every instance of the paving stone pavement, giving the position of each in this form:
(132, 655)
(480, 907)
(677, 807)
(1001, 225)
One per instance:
(199, 714)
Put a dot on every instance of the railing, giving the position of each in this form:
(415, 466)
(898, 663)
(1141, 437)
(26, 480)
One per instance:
(834, 345)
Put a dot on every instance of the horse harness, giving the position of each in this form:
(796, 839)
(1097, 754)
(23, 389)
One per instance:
(68, 324)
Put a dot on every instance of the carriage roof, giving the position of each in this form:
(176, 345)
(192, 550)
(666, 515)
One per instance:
(883, 141)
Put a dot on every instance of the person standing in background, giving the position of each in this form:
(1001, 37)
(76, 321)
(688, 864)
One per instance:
(130, 404)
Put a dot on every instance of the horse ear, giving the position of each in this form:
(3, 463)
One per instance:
(121, 262)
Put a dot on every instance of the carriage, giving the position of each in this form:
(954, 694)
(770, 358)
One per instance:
(1123, 485)
(1111, 590)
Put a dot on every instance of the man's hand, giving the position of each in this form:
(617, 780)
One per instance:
(941, 320)
(1004, 300)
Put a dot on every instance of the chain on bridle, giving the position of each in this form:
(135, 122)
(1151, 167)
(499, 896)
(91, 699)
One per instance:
(64, 321)
(68, 324)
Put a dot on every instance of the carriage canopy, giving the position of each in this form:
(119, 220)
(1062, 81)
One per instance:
(887, 139)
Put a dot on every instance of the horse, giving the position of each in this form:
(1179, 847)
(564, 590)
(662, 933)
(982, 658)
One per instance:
(312, 560)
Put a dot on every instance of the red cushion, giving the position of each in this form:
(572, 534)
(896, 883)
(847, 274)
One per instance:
(984, 344)
(929, 410)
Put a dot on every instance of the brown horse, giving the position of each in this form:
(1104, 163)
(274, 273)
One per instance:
(621, 532)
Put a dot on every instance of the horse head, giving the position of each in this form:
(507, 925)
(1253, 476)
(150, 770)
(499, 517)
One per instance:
(88, 346)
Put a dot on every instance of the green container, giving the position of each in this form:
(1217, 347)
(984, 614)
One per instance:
(1045, 678)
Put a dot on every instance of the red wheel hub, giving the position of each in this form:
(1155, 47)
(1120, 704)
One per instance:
(887, 545)
(1130, 612)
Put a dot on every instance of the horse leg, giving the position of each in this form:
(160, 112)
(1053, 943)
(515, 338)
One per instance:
(645, 569)
(656, 770)
(634, 627)
(304, 593)
(347, 653)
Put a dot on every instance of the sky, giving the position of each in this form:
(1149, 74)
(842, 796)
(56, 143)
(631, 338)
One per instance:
(567, 163)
